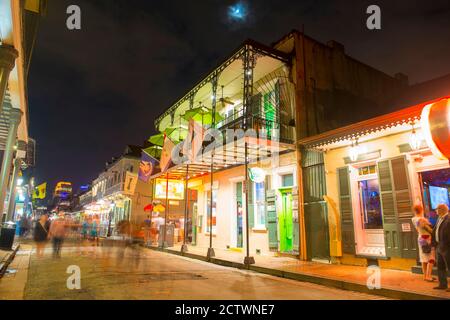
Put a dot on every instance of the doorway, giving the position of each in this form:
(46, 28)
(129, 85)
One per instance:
(192, 224)
(239, 214)
(285, 222)
(371, 229)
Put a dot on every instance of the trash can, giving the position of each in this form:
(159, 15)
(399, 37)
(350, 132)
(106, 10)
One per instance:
(7, 235)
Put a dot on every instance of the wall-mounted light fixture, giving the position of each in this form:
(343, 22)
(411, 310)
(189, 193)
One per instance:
(415, 140)
(354, 151)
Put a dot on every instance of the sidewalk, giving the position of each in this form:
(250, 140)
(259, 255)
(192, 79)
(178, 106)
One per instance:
(394, 284)
(6, 257)
(12, 285)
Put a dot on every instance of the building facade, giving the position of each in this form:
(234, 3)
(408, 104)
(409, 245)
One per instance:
(117, 194)
(18, 29)
(244, 195)
(374, 172)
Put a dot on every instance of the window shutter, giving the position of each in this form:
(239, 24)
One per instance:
(397, 208)
(256, 104)
(251, 206)
(346, 210)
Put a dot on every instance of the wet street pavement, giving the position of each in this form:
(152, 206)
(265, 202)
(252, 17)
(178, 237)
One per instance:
(138, 273)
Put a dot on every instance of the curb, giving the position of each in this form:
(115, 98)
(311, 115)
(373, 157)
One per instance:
(301, 277)
(6, 262)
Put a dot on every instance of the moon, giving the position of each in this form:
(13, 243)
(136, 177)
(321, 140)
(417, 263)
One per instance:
(238, 12)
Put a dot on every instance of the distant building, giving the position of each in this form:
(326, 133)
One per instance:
(62, 196)
(117, 194)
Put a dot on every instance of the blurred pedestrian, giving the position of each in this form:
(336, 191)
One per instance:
(24, 227)
(57, 233)
(426, 251)
(147, 227)
(85, 228)
(95, 226)
(441, 238)
(41, 234)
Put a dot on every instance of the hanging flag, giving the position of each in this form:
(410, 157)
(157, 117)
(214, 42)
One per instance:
(166, 155)
(40, 192)
(147, 167)
(194, 141)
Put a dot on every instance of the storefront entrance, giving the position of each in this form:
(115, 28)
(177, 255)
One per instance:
(192, 224)
(371, 233)
(435, 191)
(285, 221)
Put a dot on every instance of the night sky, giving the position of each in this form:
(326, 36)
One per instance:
(93, 91)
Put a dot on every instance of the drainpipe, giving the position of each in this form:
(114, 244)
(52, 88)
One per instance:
(301, 114)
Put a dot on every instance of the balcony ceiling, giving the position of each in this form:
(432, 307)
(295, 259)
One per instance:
(232, 155)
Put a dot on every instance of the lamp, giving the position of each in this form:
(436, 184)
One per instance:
(354, 151)
(414, 140)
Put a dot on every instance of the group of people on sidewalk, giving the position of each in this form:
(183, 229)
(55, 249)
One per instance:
(434, 244)
(58, 229)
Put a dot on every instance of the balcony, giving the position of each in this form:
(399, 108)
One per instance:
(116, 188)
(251, 90)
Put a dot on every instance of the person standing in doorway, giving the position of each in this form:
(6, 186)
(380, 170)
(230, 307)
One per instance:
(441, 238)
(426, 251)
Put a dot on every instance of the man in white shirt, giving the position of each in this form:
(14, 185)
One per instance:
(441, 239)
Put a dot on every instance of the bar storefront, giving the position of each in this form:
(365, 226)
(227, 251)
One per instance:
(375, 171)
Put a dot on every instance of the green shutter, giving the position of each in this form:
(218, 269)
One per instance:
(346, 210)
(397, 208)
(251, 206)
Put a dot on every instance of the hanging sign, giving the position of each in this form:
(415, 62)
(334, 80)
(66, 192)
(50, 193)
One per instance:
(257, 175)
(435, 123)
(130, 183)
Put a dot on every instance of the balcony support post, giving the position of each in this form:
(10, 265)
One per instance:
(14, 120)
(214, 84)
(249, 62)
(184, 248)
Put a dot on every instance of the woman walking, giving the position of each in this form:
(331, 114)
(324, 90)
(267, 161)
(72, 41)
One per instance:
(426, 252)
(41, 235)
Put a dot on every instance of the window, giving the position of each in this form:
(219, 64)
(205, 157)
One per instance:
(287, 180)
(364, 171)
(260, 204)
(371, 214)
(214, 211)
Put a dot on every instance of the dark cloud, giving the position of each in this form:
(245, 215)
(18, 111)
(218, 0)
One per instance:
(93, 91)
